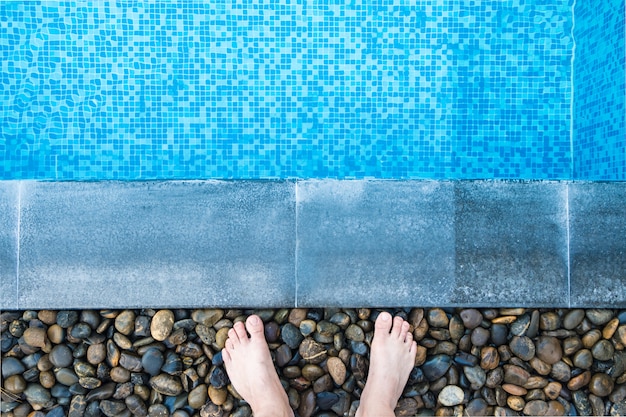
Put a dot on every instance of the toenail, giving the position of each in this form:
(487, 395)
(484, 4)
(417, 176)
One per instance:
(385, 317)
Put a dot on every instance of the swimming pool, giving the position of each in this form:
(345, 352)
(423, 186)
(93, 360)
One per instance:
(139, 90)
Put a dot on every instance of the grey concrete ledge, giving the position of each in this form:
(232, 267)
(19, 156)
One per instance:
(284, 243)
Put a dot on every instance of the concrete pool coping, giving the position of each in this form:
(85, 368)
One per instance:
(322, 243)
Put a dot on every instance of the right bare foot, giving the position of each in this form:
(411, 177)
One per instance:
(391, 361)
(249, 366)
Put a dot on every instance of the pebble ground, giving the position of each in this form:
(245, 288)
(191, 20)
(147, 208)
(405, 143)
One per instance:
(151, 362)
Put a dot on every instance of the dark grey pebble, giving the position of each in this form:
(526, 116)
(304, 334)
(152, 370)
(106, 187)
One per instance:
(173, 365)
(325, 400)
(476, 407)
(136, 406)
(81, 331)
(31, 360)
(66, 318)
(131, 362)
(11, 366)
(499, 334)
(291, 335)
(37, 395)
(93, 410)
(622, 317)
(218, 359)
(186, 324)
(416, 376)
(158, 410)
(218, 378)
(582, 404)
(60, 391)
(465, 359)
(358, 347)
(152, 360)
(436, 367)
(103, 392)
(112, 408)
(56, 412)
(61, 356)
(142, 326)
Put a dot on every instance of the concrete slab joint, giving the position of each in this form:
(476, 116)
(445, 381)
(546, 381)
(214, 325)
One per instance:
(279, 243)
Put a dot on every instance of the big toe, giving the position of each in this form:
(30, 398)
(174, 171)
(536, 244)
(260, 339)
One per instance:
(254, 324)
(383, 323)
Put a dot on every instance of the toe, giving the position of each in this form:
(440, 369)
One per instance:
(408, 338)
(404, 330)
(240, 330)
(383, 323)
(396, 330)
(226, 354)
(232, 336)
(254, 324)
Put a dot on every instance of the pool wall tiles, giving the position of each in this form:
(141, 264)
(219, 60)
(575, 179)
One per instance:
(600, 91)
(267, 89)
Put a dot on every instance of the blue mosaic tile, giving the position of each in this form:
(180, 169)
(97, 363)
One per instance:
(280, 89)
(600, 85)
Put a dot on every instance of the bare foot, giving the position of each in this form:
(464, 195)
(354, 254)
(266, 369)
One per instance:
(251, 371)
(391, 361)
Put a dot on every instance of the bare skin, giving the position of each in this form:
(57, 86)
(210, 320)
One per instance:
(391, 361)
(249, 366)
(251, 371)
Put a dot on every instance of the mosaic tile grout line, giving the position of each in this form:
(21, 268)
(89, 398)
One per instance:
(572, 92)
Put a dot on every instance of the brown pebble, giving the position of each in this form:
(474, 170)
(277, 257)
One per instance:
(437, 318)
(120, 375)
(579, 381)
(489, 358)
(555, 408)
(535, 382)
(540, 366)
(516, 375)
(549, 349)
(218, 395)
(96, 353)
(125, 322)
(514, 389)
(601, 384)
(420, 356)
(48, 317)
(337, 370)
(307, 404)
(35, 336)
(515, 402)
(161, 325)
(220, 338)
(591, 337)
(47, 379)
(621, 334)
(549, 321)
(572, 345)
(504, 320)
(553, 389)
(56, 334)
(536, 408)
(15, 384)
(611, 327)
(296, 316)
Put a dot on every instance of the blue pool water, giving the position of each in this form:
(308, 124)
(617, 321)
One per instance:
(151, 89)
